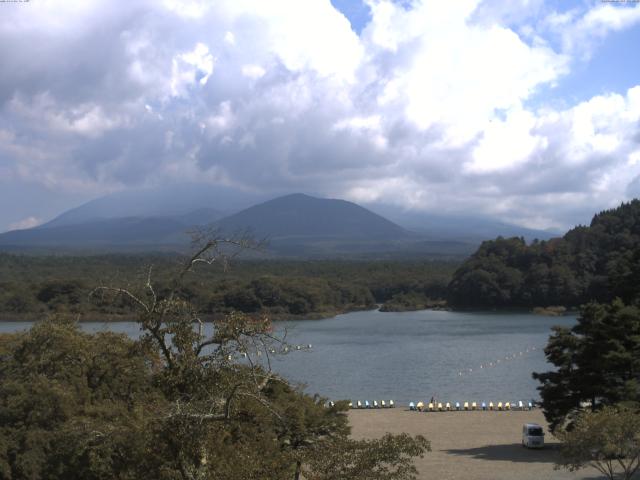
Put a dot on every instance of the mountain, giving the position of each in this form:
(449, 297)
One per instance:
(463, 228)
(296, 225)
(299, 216)
(112, 232)
(172, 200)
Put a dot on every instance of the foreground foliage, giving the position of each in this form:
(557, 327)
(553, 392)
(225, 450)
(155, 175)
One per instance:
(597, 362)
(608, 440)
(187, 400)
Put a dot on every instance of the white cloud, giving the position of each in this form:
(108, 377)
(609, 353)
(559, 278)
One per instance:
(581, 32)
(427, 108)
(25, 223)
(192, 9)
(506, 144)
(195, 66)
(455, 74)
(253, 71)
(230, 38)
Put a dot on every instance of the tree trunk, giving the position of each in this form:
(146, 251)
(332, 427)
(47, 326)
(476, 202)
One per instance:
(298, 470)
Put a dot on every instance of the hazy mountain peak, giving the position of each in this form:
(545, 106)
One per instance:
(165, 201)
(301, 215)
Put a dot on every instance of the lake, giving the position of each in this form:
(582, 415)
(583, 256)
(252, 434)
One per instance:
(409, 356)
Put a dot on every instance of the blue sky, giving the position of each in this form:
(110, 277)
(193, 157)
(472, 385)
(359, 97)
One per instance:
(613, 67)
(356, 11)
(525, 110)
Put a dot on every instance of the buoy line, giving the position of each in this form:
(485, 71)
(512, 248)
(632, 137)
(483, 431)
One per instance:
(498, 361)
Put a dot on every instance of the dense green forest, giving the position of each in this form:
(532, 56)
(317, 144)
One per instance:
(31, 286)
(598, 262)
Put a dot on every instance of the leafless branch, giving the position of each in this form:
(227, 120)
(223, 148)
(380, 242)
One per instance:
(121, 291)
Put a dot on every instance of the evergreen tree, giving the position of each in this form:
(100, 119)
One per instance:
(597, 362)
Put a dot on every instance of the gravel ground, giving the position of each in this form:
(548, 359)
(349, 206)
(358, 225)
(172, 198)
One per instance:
(471, 445)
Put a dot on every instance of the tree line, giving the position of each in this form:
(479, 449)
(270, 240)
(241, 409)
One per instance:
(32, 286)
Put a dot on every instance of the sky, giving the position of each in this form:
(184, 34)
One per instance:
(523, 110)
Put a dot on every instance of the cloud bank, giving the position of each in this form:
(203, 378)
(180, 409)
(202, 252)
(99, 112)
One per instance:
(430, 107)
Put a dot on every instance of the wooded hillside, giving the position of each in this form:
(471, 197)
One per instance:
(597, 262)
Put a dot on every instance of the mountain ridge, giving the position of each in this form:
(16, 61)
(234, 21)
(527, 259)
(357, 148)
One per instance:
(296, 224)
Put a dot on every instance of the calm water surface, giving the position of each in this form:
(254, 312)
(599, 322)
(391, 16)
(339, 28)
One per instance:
(409, 356)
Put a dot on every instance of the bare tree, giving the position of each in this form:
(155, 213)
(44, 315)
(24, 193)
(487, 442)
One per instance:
(207, 364)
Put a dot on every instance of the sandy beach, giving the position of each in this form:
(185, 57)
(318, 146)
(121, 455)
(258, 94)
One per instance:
(471, 445)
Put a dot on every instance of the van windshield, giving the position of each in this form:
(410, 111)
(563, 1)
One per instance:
(535, 431)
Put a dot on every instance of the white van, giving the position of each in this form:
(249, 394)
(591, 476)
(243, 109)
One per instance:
(532, 435)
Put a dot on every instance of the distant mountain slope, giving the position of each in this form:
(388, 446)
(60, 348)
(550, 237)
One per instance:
(109, 232)
(299, 216)
(466, 228)
(165, 201)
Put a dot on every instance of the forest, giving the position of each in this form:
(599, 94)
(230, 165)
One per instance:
(33, 286)
(599, 262)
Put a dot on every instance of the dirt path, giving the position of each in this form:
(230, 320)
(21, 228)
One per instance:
(470, 445)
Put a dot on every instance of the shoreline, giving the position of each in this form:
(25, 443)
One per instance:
(6, 317)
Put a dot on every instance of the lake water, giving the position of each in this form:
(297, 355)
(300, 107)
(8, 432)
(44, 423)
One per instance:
(409, 356)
